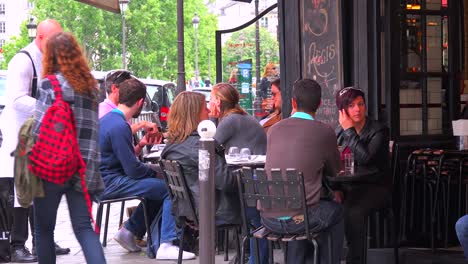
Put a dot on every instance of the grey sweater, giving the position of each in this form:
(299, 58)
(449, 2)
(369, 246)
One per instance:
(242, 131)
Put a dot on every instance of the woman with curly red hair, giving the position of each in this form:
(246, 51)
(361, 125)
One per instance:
(64, 58)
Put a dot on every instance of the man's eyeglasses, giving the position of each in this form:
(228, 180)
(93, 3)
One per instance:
(121, 76)
(346, 89)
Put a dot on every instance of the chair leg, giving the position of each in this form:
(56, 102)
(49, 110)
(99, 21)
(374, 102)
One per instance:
(149, 240)
(365, 242)
(256, 251)
(99, 217)
(393, 226)
(238, 249)
(316, 251)
(285, 256)
(106, 225)
(122, 207)
(270, 253)
(226, 236)
(242, 255)
(330, 248)
(179, 260)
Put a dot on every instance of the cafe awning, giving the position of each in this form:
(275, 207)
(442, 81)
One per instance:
(109, 5)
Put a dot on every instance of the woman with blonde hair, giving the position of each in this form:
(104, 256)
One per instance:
(187, 111)
(269, 75)
(236, 128)
(64, 58)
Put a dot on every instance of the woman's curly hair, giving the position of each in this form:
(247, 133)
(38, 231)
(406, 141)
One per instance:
(63, 54)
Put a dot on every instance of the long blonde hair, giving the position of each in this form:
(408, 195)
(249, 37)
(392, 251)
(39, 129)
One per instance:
(229, 97)
(269, 70)
(184, 116)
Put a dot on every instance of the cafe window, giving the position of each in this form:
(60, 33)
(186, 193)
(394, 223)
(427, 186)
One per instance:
(423, 67)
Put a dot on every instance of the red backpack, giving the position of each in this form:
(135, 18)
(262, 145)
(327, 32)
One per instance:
(56, 156)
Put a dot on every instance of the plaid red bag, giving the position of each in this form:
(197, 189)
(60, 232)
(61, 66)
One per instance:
(56, 156)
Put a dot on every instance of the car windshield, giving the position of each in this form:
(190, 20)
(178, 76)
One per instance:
(205, 92)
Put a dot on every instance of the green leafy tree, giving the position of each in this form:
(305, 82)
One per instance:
(241, 46)
(151, 34)
(16, 43)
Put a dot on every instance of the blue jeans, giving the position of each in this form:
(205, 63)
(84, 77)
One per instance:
(45, 215)
(155, 192)
(254, 218)
(462, 233)
(326, 218)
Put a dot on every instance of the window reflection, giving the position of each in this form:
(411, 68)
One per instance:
(411, 44)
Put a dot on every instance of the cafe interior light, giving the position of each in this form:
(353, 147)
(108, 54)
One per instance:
(413, 7)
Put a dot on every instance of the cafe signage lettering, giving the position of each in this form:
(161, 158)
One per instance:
(321, 42)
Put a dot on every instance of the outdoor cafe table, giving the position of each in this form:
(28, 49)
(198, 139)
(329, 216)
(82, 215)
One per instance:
(361, 174)
(255, 161)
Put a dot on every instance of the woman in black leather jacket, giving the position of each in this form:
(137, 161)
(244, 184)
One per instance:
(187, 111)
(369, 142)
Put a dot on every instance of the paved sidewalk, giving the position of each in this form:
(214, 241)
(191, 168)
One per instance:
(65, 237)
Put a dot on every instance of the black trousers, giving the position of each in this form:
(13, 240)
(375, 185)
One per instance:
(19, 230)
(359, 201)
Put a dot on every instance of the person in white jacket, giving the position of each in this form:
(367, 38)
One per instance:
(18, 107)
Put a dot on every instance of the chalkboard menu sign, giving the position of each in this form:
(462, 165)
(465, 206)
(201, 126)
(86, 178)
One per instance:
(321, 50)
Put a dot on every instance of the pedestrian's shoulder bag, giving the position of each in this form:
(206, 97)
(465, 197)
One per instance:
(56, 156)
(34, 80)
(28, 186)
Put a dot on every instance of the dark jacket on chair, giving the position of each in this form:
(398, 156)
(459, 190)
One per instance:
(370, 148)
(227, 200)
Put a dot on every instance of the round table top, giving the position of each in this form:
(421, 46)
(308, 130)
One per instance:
(361, 174)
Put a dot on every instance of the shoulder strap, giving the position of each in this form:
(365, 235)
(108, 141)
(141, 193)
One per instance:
(34, 81)
(56, 85)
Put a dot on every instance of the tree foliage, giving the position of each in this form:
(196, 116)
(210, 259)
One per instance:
(151, 35)
(241, 46)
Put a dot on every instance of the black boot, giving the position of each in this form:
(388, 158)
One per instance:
(22, 255)
(60, 250)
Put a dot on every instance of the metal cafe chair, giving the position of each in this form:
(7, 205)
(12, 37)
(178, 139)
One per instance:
(279, 193)
(180, 194)
(106, 223)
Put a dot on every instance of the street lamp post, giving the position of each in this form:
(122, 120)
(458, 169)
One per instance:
(32, 27)
(195, 22)
(123, 8)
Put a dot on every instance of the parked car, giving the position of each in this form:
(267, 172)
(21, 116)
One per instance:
(206, 91)
(160, 95)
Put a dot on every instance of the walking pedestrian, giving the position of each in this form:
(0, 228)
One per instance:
(64, 58)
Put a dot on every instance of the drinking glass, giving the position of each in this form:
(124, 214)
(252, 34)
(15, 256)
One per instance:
(245, 154)
(233, 153)
(349, 163)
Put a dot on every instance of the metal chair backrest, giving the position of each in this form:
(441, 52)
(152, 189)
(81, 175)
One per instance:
(178, 188)
(278, 192)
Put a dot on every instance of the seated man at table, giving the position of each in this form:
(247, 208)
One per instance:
(308, 145)
(124, 175)
(112, 82)
(368, 140)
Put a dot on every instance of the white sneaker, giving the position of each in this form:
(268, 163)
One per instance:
(126, 239)
(168, 251)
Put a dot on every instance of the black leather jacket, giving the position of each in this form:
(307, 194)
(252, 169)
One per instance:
(370, 147)
(227, 199)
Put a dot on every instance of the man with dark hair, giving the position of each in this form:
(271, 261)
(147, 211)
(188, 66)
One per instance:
(275, 101)
(124, 175)
(311, 149)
